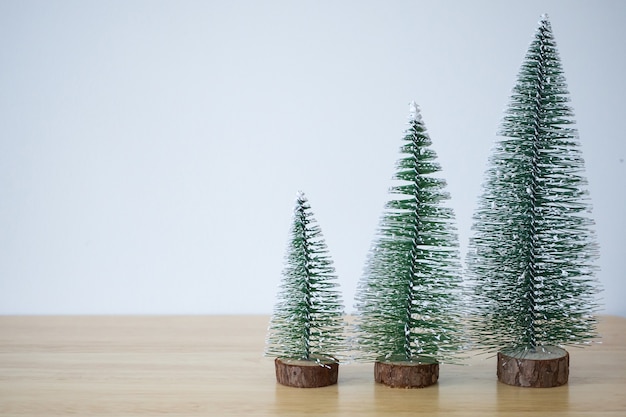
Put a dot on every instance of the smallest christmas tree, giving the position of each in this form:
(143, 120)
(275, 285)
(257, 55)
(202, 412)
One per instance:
(306, 329)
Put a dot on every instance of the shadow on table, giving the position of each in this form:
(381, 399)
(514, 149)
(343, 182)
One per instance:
(406, 400)
(522, 399)
(289, 401)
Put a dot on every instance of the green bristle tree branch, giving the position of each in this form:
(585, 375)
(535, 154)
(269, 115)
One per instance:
(308, 320)
(533, 251)
(408, 298)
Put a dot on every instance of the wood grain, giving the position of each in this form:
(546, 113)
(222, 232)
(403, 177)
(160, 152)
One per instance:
(406, 374)
(305, 374)
(213, 366)
(522, 371)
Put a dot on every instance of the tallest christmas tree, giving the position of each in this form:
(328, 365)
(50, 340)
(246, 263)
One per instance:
(532, 256)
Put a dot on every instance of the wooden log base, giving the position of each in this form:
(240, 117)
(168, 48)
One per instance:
(543, 367)
(406, 374)
(305, 374)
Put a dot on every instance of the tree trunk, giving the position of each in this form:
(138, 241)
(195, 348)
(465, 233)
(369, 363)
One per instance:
(542, 367)
(406, 374)
(306, 374)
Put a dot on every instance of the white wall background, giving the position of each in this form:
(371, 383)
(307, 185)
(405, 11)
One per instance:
(150, 151)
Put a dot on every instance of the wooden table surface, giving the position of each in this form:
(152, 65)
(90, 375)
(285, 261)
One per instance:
(213, 366)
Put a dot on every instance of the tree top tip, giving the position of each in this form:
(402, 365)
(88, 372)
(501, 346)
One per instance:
(300, 195)
(414, 112)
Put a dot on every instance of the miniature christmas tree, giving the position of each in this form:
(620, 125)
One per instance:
(306, 330)
(533, 251)
(407, 301)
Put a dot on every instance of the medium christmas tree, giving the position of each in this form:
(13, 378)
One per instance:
(407, 299)
(532, 255)
(307, 327)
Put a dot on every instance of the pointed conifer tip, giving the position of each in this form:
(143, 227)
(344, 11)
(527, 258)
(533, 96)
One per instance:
(414, 112)
(544, 20)
(300, 196)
